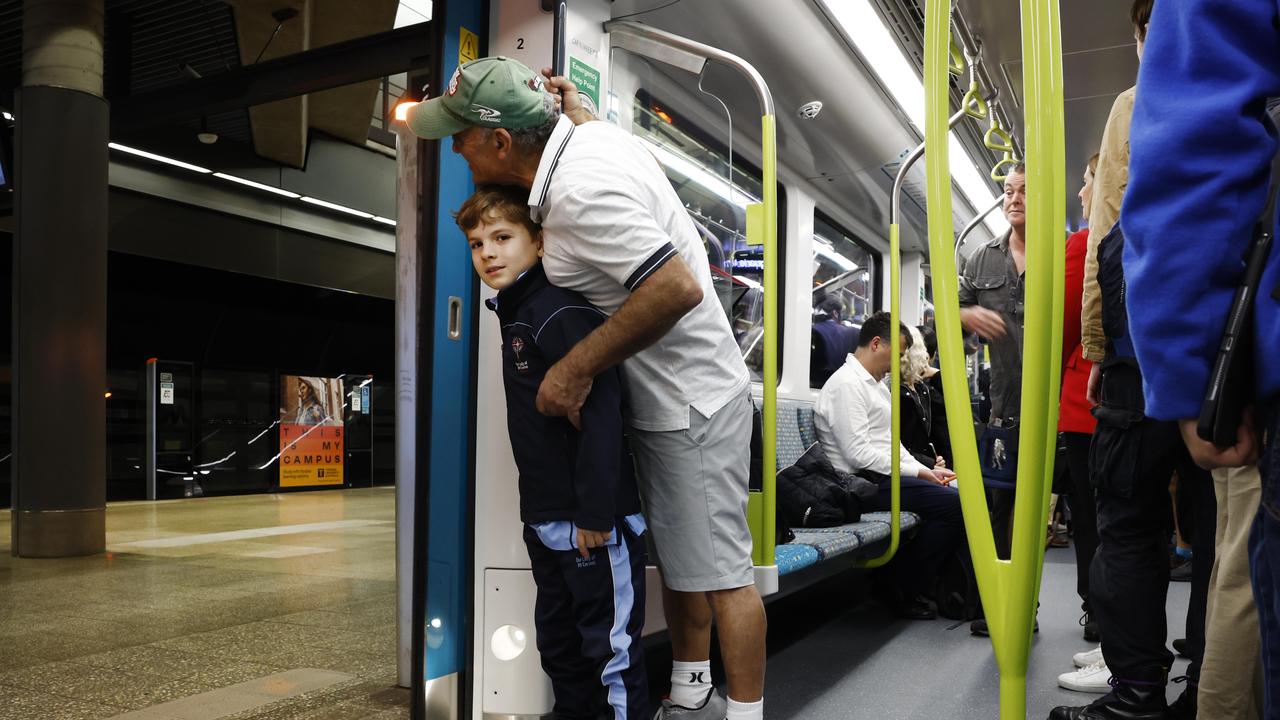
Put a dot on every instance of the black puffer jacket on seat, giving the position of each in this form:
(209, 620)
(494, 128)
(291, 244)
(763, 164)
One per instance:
(812, 494)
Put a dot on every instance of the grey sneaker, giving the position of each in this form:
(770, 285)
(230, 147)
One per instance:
(714, 707)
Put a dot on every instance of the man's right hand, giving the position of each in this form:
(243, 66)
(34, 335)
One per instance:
(986, 323)
(1210, 456)
(938, 476)
(570, 103)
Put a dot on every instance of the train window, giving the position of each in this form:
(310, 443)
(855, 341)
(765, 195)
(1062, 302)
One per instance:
(699, 168)
(846, 274)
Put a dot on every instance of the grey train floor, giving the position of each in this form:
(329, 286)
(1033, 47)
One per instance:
(196, 596)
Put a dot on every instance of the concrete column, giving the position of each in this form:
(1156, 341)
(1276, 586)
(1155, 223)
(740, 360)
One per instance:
(60, 284)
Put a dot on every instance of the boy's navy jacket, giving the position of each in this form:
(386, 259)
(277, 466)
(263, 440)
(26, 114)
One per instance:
(586, 477)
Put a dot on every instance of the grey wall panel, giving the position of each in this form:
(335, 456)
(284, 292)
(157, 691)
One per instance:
(148, 226)
(338, 265)
(346, 174)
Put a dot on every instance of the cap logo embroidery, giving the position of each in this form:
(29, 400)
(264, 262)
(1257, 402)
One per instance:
(533, 83)
(453, 82)
(487, 114)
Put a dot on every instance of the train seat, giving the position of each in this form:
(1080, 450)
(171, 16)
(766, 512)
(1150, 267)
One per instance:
(795, 433)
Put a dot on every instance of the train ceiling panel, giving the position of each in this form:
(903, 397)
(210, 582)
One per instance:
(1099, 62)
(841, 151)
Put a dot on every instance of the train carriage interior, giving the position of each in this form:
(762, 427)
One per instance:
(302, 496)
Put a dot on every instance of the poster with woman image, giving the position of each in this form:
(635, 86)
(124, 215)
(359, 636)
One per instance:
(311, 437)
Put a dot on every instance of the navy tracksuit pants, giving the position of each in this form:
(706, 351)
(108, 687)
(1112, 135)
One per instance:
(589, 614)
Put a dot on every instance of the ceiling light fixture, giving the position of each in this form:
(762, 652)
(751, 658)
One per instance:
(336, 206)
(863, 25)
(158, 158)
(258, 185)
(384, 221)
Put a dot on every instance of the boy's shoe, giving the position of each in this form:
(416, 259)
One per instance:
(714, 707)
(1092, 678)
(1084, 659)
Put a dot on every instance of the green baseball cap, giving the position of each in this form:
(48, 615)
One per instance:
(493, 92)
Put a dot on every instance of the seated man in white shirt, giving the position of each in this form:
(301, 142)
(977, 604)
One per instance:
(853, 417)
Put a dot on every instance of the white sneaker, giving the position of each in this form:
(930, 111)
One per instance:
(1084, 659)
(1090, 679)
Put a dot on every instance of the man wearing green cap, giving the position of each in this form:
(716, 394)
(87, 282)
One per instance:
(616, 232)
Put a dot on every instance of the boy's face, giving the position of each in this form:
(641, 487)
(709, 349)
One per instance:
(502, 250)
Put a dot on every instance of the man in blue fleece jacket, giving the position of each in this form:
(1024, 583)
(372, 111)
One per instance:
(1201, 148)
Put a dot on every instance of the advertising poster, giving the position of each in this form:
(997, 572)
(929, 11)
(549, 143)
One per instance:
(312, 443)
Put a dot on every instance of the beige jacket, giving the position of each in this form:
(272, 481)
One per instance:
(1109, 183)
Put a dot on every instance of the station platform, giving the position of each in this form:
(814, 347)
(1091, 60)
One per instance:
(282, 607)
(272, 607)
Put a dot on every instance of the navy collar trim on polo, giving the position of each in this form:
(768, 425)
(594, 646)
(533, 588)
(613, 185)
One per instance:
(556, 144)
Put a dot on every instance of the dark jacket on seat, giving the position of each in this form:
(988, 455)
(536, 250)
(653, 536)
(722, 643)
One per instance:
(585, 477)
(812, 494)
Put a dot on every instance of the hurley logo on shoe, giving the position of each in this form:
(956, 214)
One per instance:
(695, 678)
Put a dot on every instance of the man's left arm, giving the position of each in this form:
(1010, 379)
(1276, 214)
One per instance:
(616, 234)
(1201, 148)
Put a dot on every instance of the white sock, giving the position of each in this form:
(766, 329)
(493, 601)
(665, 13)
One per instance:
(745, 711)
(690, 682)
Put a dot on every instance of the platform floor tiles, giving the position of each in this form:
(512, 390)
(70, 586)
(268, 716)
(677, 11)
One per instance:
(285, 605)
(202, 595)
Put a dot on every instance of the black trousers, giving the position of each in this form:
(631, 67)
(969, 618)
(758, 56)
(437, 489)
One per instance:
(589, 614)
(1130, 463)
(940, 535)
(1084, 510)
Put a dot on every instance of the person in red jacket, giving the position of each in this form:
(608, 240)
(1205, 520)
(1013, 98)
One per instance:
(1075, 421)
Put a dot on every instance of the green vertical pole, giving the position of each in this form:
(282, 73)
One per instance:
(769, 425)
(1009, 588)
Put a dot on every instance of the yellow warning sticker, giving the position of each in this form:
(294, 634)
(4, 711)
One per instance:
(468, 46)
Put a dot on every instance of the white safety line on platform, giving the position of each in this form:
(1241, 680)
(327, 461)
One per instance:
(241, 697)
(250, 534)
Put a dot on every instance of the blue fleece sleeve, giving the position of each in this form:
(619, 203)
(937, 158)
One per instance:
(1200, 152)
(598, 464)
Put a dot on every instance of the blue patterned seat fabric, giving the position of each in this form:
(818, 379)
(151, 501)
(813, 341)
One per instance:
(791, 444)
(796, 432)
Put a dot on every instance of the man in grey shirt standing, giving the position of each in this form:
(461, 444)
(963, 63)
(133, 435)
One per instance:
(616, 232)
(992, 304)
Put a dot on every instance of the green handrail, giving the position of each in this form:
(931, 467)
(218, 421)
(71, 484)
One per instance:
(895, 304)
(1008, 160)
(762, 229)
(1008, 587)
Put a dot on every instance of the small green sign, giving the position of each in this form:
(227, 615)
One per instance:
(587, 79)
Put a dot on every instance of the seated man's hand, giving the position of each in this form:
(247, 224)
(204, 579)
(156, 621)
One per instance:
(983, 321)
(940, 462)
(570, 101)
(1210, 456)
(589, 539)
(939, 476)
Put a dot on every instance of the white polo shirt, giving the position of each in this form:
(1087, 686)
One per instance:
(610, 218)
(853, 417)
